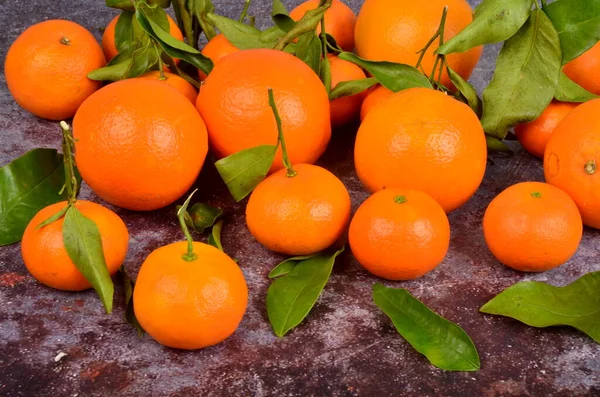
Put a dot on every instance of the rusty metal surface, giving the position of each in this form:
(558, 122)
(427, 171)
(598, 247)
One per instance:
(346, 347)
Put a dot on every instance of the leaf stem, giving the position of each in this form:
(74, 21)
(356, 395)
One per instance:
(245, 10)
(68, 146)
(186, 21)
(286, 161)
(189, 256)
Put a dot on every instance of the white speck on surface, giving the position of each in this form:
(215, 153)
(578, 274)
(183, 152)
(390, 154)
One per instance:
(59, 356)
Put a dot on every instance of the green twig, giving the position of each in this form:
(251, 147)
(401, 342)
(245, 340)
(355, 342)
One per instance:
(189, 255)
(245, 11)
(68, 146)
(284, 155)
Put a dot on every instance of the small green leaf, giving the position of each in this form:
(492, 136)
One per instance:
(111, 72)
(541, 305)
(445, 344)
(493, 21)
(214, 238)
(124, 31)
(54, 217)
(308, 50)
(128, 286)
(526, 77)
(244, 170)
(570, 91)
(497, 145)
(121, 4)
(394, 76)
(308, 23)
(83, 243)
(281, 17)
(291, 297)
(352, 87)
(287, 265)
(201, 216)
(242, 36)
(466, 91)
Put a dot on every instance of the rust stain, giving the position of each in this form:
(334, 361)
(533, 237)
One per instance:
(11, 279)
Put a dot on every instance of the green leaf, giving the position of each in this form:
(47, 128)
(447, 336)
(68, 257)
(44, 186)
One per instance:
(281, 16)
(466, 91)
(121, 4)
(445, 344)
(160, 3)
(270, 36)
(111, 72)
(570, 91)
(308, 23)
(352, 87)
(497, 145)
(308, 50)
(577, 23)
(526, 76)
(201, 216)
(200, 9)
(128, 286)
(28, 184)
(53, 218)
(287, 265)
(493, 21)
(83, 243)
(325, 74)
(541, 305)
(291, 297)
(214, 238)
(244, 170)
(124, 31)
(394, 76)
(242, 36)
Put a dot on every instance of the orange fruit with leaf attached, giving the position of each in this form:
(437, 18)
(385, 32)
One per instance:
(108, 37)
(424, 140)
(175, 81)
(396, 30)
(534, 136)
(47, 65)
(585, 69)
(345, 109)
(234, 103)
(189, 304)
(532, 227)
(139, 144)
(46, 257)
(217, 48)
(339, 21)
(572, 159)
(399, 234)
(301, 214)
(374, 96)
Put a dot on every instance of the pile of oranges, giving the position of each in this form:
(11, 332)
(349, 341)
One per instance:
(140, 144)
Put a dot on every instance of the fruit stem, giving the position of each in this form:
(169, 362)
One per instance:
(439, 57)
(325, 69)
(245, 10)
(68, 147)
(400, 199)
(590, 167)
(438, 33)
(189, 256)
(536, 195)
(65, 40)
(286, 161)
(161, 71)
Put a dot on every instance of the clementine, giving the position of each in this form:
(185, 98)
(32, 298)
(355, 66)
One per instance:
(215, 49)
(374, 96)
(345, 109)
(585, 69)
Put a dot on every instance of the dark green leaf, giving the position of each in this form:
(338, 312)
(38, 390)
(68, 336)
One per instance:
(570, 91)
(445, 344)
(281, 17)
(308, 23)
(577, 23)
(493, 21)
(121, 4)
(201, 216)
(128, 286)
(244, 170)
(352, 87)
(497, 145)
(239, 34)
(200, 9)
(287, 265)
(214, 238)
(291, 297)
(526, 76)
(332, 44)
(142, 60)
(83, 243)
(28, 184)
(541, 305)
(124, 31)
(309, 50)
(466, 91)
(394, 76)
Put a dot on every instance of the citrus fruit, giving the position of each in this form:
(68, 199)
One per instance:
(396, 30)
(44, 251)
(424, 140)
(345, 109)
(189, 304)
(339, 21)
(532, 227)
(139, 144)
(572, 159)
(47, 65)
(534, 136)
(399, 234)
(374, 96)
(298, 215)
(233, 101)
(175, 81)
(217, 48)
(585, 69)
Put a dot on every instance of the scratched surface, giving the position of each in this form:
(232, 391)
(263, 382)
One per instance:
(345, 348)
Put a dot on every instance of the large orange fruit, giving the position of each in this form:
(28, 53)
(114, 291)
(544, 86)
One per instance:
(572, 159)
(189, 304)
(345, 109)
(233, 101)
(374, 96)
(395, 30)
(399, 234)
(585, 69)
(298, 215)
(139, 144)
(424, 140)
(175, 81)
(532, 227)
(534, 136)
(339, 21)
(44, 251)
(217, 48)
(46, 68)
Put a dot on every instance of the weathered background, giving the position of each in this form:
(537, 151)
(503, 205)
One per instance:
(347, 347)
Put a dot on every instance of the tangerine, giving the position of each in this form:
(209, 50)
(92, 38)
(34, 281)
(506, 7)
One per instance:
(345, 109)
(374, 96)
(585, 69)
(217, 48)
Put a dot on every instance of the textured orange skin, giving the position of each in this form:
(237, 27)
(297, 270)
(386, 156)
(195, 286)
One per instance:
(175, 81)
(300, 215)
(48, 78)
(108, 38)
(574, 143)
(374, 96)
(532, 234)
(234, 103)
(585, 69)
(339, 21)
(346, 109)
(45, 255)
(139, 144)
(399, 241)
(395, 30)
(534, 136)
(424, 140)
(217, 48)
(189, 305)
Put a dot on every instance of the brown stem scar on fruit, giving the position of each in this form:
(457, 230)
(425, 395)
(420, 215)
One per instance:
(536, 194)
(590, 167)
(65, 41)
(400, 199)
